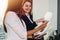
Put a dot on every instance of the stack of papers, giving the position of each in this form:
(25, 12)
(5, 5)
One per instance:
(47, 17)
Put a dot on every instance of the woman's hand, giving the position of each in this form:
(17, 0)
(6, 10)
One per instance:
(29, 33)
(40, 36)
(42, 26)
(40, 20)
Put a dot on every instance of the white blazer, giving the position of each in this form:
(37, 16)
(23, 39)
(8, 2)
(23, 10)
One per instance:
(15, 29)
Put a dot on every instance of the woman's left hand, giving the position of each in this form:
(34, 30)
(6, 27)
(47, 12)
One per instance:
(40, 20)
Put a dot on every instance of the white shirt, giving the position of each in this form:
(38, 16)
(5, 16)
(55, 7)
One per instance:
(15, 29)
(27, 14)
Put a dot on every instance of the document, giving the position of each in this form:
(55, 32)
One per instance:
(47, 17)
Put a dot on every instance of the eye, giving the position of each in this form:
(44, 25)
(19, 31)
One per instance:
(30, 6)
(26, 5)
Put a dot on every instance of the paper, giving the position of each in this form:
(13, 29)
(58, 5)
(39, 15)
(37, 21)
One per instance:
(47, 17)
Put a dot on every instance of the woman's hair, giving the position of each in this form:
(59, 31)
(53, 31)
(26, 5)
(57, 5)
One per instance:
(22, 12)
(15, 6)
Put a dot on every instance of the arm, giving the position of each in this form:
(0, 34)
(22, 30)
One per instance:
(29, 33)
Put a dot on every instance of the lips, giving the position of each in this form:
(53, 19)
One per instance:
(27, 9)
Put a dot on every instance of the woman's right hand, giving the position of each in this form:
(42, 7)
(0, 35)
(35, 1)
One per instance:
(29, 33)
(43, 25)
(45, 22)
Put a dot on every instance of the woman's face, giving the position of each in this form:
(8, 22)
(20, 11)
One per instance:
(27, 7)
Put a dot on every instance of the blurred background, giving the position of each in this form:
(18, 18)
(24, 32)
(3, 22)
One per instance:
(3, 6)
(40, 7)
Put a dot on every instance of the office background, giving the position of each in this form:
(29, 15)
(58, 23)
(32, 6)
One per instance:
(40, 7)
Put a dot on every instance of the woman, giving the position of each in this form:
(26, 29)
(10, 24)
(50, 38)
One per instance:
(15, 26)
(26, 9)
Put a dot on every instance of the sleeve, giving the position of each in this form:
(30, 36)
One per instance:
(13, 21)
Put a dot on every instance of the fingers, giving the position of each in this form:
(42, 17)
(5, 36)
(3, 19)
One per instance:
(39, 36)
(44, 25)
(45, 22)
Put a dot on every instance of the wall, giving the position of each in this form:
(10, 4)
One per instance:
(40, 7)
